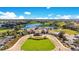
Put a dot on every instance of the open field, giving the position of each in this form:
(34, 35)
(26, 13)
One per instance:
(5, 30)
(38, 45)
(67, 31)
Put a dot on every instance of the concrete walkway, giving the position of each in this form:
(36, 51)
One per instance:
(59, 46)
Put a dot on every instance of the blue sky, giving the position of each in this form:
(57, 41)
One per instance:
(39, 12)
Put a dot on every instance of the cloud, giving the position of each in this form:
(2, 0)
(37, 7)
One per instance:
(12, 15)
(66, 17)
(9, 15)
(41, 18)
(48, 7)
(21, 17)
(49, 15)
(1, 12)
(63, 17)
(77, 17)
(27, 13)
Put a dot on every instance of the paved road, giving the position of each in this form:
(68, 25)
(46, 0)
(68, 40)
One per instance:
(17, 45)
(58, 44)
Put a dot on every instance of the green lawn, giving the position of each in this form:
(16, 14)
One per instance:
(38, 45)
(68, 31)
(61, 24)
(5, 30)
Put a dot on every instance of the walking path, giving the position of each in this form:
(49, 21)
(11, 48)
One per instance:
(57, 43)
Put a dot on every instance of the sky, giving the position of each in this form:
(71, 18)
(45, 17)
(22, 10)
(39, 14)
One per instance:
(39, 12)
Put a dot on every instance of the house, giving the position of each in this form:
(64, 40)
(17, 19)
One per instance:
(77, 36)
(1, 25)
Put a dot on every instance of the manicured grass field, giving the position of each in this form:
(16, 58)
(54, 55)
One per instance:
(37, 45)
